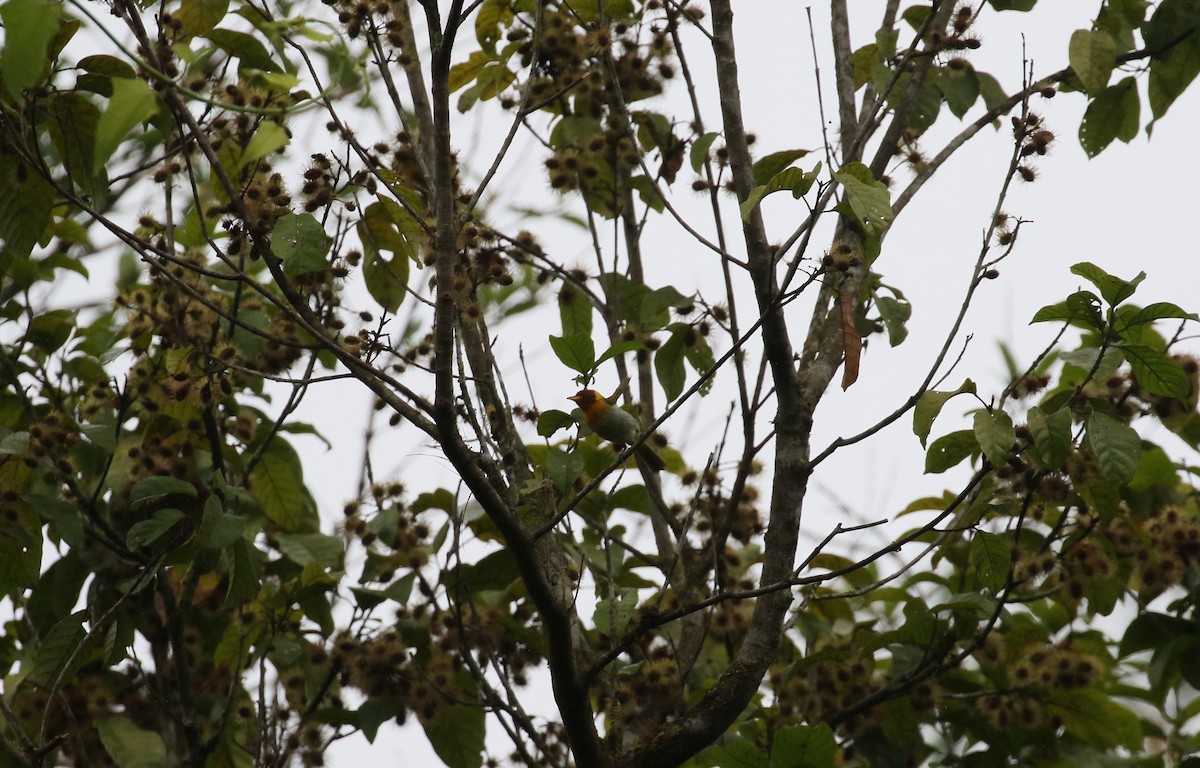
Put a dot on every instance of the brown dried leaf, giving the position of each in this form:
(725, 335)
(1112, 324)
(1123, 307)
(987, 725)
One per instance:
(851, 341)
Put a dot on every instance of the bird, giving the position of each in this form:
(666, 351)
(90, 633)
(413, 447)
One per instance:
(616, 426)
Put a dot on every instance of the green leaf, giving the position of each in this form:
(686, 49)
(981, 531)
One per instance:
(654, 314)
(1013, 5)
(387, 226)
(156, 490)
(50, 330)
(668, 365)
(895, 314)
(375, 712)
(495, 572)
(493, 15)
(1092, 54)
(1051, 434)
(1120, 18)
(386, 279)
(1171, 36)
(130, 746)
(564, 467)
(1162, 310)
(217, 530)
(737, 753)
(97, 73)
(575, 312)
(1115, 113)
(29, 26)
(551, 421)
(992, 557)
(457, 733)
(147, 531)
(863, 61)
(699, 151)
(801, 746)
(1155, 470)
(118, 639)
(268, 137)
(620, 348)
(866, 196)
(959, 85)
(465, 72)
(653, 130)
(989, 88)
(794, 180)
(57, 591)
(1156, 372)
(132, 103)
(575, 131)
(924, 108)
(277, 482)
(245, 573)
(624, 296)
(996, 435)
(1114, 290)
(700, 356)
(947, 451)
(1171, 75)
(198, 17)
(247, 48)
(632, 497)
(766, 168)
(303, 428)
(20, 559)
(15, 444)
(915, 15)
(1081, 308)
(300, 242)
(317, 548)
(72, 127)
(577, 351)
(26, 209)
(930, 405)
(1115, 446)
(648, 192)
(440, 499)
(56, 648)
(1093, 717)
(1151, 631)
(621, 611)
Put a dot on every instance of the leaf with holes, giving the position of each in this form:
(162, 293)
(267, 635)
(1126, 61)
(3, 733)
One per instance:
(301, 243)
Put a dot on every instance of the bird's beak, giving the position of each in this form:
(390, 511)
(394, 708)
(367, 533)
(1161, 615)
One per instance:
(574, 398)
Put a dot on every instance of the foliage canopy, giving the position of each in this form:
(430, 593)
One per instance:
(239, 171)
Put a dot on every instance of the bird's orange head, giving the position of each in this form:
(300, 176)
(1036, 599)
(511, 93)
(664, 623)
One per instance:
(591, 402)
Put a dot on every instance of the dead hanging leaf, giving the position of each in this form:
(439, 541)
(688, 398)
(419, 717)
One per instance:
(851, 341)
